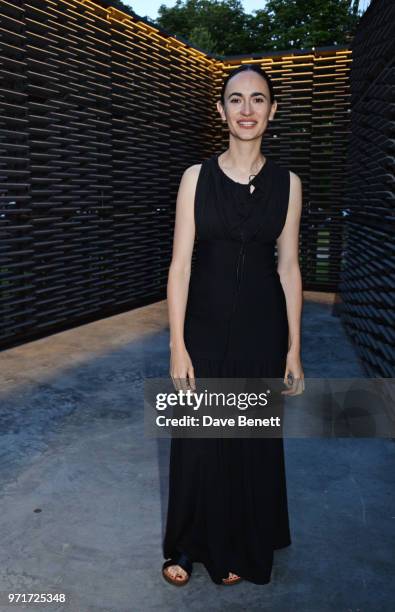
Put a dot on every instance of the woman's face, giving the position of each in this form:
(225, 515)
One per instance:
(247, 107)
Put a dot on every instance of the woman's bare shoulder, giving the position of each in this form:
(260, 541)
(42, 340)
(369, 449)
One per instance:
(193, 171)
(188, 183)
(190, 176)
(295, 179)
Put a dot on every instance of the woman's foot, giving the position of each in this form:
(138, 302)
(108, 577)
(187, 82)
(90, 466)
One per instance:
(178, 569)
(176, 572)
(231, 579)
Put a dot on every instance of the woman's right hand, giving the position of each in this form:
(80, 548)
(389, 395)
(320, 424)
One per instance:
(181, 369)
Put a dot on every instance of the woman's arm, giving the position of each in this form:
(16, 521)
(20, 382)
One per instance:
(180, 271)
(290, 275)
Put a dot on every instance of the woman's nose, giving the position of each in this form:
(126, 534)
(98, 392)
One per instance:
(246, 110)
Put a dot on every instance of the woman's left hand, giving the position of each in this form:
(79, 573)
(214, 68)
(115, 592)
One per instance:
(293, 370)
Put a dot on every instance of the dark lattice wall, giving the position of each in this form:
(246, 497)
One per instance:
(368, 279)
(98, 118)
(100, 114)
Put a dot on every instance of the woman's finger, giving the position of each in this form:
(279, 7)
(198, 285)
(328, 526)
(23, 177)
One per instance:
(192, 382)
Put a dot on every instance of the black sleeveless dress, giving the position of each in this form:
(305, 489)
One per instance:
(227, 504)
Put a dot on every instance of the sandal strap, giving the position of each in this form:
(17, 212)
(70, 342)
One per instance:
(183, 561)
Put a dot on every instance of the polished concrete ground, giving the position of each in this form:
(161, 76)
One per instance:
(83, 492)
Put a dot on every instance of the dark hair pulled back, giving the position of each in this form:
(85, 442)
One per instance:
(253, 67)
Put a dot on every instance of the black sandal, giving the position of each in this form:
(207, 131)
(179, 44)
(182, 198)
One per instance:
(183, 561)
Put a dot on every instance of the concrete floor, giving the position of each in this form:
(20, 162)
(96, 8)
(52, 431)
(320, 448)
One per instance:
(83, 493)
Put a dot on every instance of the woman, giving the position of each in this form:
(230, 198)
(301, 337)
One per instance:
(237, 314)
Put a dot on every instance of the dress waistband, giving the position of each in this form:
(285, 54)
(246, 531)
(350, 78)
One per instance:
(267, 247)
(220, 251)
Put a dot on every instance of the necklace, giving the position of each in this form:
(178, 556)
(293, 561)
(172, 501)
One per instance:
(250, 177)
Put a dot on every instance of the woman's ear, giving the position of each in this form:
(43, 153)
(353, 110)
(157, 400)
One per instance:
(221, 111)
(273, 110)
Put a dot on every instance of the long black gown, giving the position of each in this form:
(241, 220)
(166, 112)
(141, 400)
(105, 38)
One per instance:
(227, 504)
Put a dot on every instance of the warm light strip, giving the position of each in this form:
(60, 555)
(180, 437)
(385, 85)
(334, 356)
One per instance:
(128, 20)
(296, 57)
(12, 5)
(22, 36)
(14, 61)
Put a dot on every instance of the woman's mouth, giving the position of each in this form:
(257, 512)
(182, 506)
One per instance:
(247, 124)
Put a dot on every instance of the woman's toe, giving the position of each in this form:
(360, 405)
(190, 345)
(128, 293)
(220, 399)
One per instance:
(177, 572)
(231, 577)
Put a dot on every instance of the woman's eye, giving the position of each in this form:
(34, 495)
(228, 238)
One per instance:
(256, 99)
